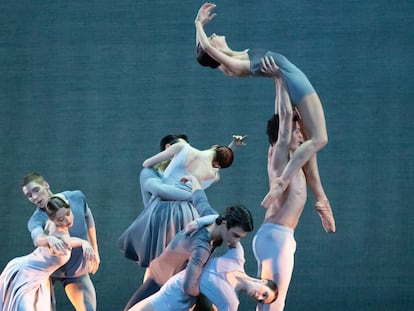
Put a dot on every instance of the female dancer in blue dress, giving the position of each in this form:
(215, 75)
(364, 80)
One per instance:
(167, 209)
(167, 201)
(24, 282)
(214, 52)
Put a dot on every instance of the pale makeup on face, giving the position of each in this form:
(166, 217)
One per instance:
(37, 193)
(63, 218)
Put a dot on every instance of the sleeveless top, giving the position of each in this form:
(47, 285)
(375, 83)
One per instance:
(177, 170)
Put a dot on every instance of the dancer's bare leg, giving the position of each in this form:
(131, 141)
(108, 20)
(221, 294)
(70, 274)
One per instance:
(313, 180)
(312, 115)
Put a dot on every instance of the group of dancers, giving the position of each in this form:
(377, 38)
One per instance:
(178, 230)
(296, 132)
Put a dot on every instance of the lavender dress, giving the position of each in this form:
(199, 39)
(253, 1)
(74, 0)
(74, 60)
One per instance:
(24, 282)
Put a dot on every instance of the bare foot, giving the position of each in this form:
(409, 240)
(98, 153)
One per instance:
(323, 208)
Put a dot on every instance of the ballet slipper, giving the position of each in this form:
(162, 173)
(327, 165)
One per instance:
(323, 208)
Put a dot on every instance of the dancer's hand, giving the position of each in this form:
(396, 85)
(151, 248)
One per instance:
(95, 264)
(205, 14)
(57, 246)
(269, 67)
(193, 180)
(195, 225)
(238, 141)
(88, 251)
(91, 257)
(277, 187)
(191, 228)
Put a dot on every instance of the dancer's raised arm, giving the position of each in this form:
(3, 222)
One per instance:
(165, 155)
(230, 62)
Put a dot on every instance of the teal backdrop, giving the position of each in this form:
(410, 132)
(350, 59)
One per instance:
(87, 89)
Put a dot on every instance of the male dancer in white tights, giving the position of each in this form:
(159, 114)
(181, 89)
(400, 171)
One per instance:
(274, 244)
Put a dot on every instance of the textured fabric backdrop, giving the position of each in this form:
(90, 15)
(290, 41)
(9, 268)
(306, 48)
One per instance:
(87, 88)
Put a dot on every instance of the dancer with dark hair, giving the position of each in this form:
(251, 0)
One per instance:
(167, 208)
(191, 252)
(185, 159)
(274, 244)
(220, 279)
(74, 276)
(25, 281)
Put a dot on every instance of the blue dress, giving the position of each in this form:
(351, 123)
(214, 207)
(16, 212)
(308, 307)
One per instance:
(167, 210)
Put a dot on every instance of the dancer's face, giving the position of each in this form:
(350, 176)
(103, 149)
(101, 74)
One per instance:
(63, 218)
(259, 291)
(37, 193)
(233, 235)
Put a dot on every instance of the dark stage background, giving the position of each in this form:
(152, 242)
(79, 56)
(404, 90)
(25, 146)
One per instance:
(87, 88)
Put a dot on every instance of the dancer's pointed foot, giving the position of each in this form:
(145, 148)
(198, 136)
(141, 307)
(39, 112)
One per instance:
(277, 187)
(323, 208)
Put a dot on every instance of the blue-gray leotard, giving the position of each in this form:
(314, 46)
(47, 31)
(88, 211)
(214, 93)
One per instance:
(297, 83)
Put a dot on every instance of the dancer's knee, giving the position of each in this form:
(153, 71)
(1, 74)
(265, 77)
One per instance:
(323, 142)
(320, 142)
